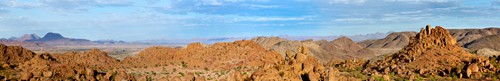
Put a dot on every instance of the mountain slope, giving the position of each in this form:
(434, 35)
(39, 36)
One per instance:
(393, 40)
(325, 51)
(464, 36)
(492, 42)
(28, 37)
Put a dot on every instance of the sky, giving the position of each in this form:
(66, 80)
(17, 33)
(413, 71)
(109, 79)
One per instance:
(133, 20)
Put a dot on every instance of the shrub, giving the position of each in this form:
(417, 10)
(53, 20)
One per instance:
(184, 64)
(206, 69)
(182, 74)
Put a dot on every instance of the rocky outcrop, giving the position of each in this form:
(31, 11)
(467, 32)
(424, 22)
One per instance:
(432, 52)
(464, 37)
(14, 55)
(295, 67)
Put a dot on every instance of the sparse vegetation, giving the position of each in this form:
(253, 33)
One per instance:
(184, 64)
(182, 74)
(206, 69)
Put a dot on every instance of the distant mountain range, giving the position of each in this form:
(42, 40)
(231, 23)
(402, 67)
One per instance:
(53, 39)
(356, 38)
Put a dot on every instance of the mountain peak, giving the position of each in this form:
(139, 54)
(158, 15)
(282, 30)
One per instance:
(52, 36)
(429, 52)
(437, 36)
(28, 37)
(343, 38)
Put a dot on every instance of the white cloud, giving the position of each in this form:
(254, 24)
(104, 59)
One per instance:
(211, 2)
(347, 1)
(69, 5)
(438, 1)
(263, 6)
(350, 19)
(267, 19)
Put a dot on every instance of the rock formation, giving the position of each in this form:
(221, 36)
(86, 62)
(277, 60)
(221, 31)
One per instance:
(296, 67)
(465, 37)
(14, 55)
(432, 52)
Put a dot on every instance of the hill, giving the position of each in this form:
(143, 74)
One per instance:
(492, 42)
(341, 48)
(432, 52)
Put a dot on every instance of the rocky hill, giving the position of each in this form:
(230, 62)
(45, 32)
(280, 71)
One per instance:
(282, 46)
(22, 64)
(214, 61)
(464, 37)
(345, 48)
(341, 48)
(14, 55)
(432, 52)
(294, 67)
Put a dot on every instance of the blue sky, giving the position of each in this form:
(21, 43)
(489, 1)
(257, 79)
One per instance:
(182, 19)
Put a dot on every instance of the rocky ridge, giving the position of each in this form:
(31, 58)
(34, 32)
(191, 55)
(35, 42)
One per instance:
(323, 50)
